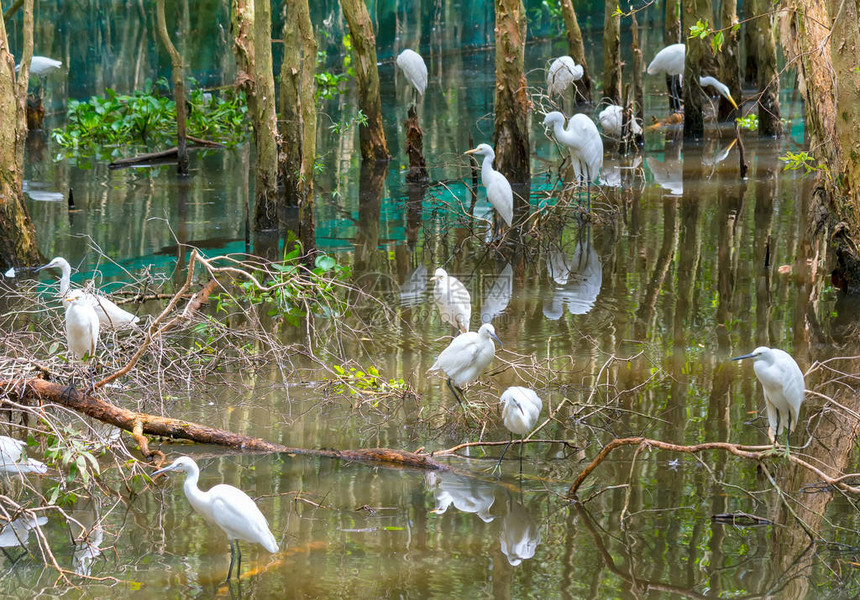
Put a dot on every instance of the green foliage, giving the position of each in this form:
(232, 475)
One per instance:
(342, 127)
(147, 117)
(749, 122)
(702, 30)
(328, 83)
(356, 382)
(72, 455)
(796, 161)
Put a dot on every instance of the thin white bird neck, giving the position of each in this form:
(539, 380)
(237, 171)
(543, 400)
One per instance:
(195, 495)
(65, 277)
(487, 169)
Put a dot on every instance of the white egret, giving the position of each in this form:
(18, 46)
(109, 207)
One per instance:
(13, 459)
(109, 314)
(783, 386)
(499, 192)
(583, 143)
(521, 408)
(412, 65)
(41, 65)
(611, 119)
(452, 299)
(229, 508)
(466, 357)
(670, 60)
(82, 329)
(561, 74)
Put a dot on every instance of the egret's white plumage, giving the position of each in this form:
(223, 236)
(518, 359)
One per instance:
(82, 325)
(12, 459)
(521, 408)
(499, 192)
(782, 382)
(452, 299)
(582, 141)
(611, 119)
(109, 314)
(466, 357)
(670, 60)
(722, 88)
(226, 506)
(412, 65)
(519, 534)
(42, 65)
(561, 74)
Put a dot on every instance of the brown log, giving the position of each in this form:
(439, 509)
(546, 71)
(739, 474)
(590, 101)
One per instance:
(146, 424)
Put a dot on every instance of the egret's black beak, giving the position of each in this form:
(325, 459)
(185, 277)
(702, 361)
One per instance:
(744, 356)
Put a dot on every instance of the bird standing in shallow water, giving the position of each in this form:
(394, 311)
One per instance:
(452, 299)
(670, 60)
(499, 192)
(521, 408)
(583, 141)
(466, 358)
(783, 386)
(229, 508)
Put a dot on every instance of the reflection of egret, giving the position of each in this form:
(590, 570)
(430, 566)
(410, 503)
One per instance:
(561, 74)
(583, 143)
(466, 357)
(498, 295)
(611, 119)
(521, 408)
(229, 508)
(467, 494)
(87, 550)
(580, 278)
(668, 174)
(499, 192)
(13, 460)
(109, 314)
(610, 174)
(412, 65)
(670, 60)
(721, 155)
(782, 383)
(16, 532)
(520, 534)
(412, 290)
(452, 299)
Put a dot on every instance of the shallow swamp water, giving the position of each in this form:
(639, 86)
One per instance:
(624, 324)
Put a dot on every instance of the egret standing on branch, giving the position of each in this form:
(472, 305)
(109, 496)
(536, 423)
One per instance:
(561, 74)
(453, 300)
(612, 118)
(499, 192)
(229, 508)
(466, 357)
(670, 60)
(521, 408)
(82, 329)
(783, 386)
(582, 140)
(412, 65)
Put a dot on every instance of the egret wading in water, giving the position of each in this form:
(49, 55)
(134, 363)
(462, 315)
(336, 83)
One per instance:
(229, 508)
(782, 383)
(413, 67)
(670, 60)
(466, 357)
(109, 314)
(13, 460)
(452, 299)
(521, 408)
(82, 330)
(583, 142)
(499, 193)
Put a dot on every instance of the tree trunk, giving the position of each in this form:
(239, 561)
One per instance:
(178, 89)
(511, 140)
(307, 228)
(252, 43)
(17, 234)
(729, 57)
(576, 48)
(372, 134)
(764, 49)
(290, 123)
(638, 88)
(694, 122)
(611, 52)
(750, 70)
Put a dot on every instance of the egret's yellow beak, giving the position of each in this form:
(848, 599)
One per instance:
(732, 100)
(472, 151)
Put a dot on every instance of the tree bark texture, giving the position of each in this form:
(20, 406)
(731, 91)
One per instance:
(611, 53)
(371, 135)
(252, 43)
(290, 101)
(694, 121)
(672, 35)
(767, 76)
(17, 234)
(178, 90)
(511, 140)
(307, 227)
(576, 49)
(823, 41)
(729, 57)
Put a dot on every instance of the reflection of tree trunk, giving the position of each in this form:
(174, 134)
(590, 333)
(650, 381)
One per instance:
(731, 201)
(178, 89)
(414, 206)
(370, 189)
(372, 135)
(645, 312)
(611, 52)
(767, 75)
(511, 139)
(729, 57)
(763, 251)
(576, 48)
(694, 121)
(252, 43)
(17, 234)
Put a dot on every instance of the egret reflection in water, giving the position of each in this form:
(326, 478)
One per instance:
(520, 534)
(413, 289)
(578, 279)
(466, 494)
(668, 173)
(498, 295)
(613, 170)
(16, 532)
